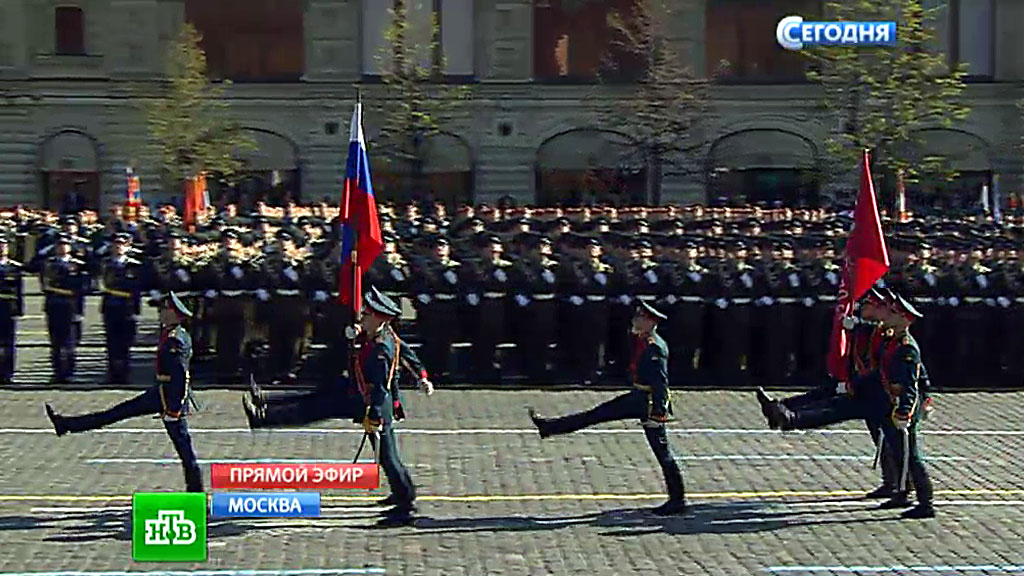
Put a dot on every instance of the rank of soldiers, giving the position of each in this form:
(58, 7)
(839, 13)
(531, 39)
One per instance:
(545, 294)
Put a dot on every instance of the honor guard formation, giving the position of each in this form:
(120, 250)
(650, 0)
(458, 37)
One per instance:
(654, 298)
(503, 294)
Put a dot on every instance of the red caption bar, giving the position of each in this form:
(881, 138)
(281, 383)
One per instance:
(309, 477)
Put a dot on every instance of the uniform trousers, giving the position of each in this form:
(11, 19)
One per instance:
(336, 402)
(629, 406)
(146, 404)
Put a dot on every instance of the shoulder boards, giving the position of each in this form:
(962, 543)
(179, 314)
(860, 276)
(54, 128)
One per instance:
(132, 261)
(454, 263)
(77, 261)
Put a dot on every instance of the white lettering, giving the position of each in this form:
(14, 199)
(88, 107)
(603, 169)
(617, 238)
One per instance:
(865, 32)
(273, 475)
(235, 505)
(807, 34)
(833, 32)
(301, 476)
(791, 33)
(850, 34)
(318, 475)
(885, 32)
(236, 475)
(819, 29)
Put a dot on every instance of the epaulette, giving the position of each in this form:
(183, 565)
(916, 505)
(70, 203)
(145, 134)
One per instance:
(504, 263)
(77, 261)
(132, 261)
(453, 263)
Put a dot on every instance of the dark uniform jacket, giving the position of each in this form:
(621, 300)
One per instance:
(650, 374)
(12, 289)
(377, 367)
(903, 378)
(173, 357)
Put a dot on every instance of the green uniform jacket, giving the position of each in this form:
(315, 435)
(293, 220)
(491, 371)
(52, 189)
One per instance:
(902, 372)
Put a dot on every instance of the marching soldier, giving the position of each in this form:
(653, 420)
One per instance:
(901, 374)
(65, 280)
(169, 399)
(12, 305)
(120, 279)
(649, 402)
(366, 399)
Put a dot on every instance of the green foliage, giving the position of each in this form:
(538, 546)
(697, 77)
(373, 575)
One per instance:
(416, 103)
(664, 105)
(190, 126)
(883, 97)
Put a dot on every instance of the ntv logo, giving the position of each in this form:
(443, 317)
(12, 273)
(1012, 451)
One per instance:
(170, 528)
(793, 33)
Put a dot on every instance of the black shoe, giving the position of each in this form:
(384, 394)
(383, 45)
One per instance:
(391, 500)
(918, 512)
(671, 508)
(897, 501)
(766, 405)
(540, 423)
(252, 414)
(398, 516)
(779, 416)
(881, 492)
(256, 394)
(57, 420)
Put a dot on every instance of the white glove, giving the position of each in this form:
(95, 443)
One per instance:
(237, 272)
(954, 301)
(794, 280)
(601, 278)
(941, 301)
(841, 388)
(473, 299)
(320, 296)
(210, 294)
(1003, 301)
(182, 275)
(500, 275)
(901, 424)
(548, 276)
(426, 386)
(671, 299)
(351, 332)
(624, 299)
(423, 298)
(651, 277)
(397, 274)
(291, 274)
(262, 295)
(451, 277)
(721, 303)
(576, 300)
(522, 300)
(849, 322)
(990, 302)
(808, 302)
(154, 295)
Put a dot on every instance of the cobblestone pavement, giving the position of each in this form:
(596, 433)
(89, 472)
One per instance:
(498, 500)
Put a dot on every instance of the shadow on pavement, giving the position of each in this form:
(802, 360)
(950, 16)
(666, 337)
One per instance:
(726, 518)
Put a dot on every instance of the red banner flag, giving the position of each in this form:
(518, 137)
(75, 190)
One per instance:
(866, 260)
(195, 200)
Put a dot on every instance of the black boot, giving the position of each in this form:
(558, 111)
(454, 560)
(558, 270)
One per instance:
(766, 405)
(540, 423)
(256, 396)
(780, 417)
(918, 512)
(898, 500)
(673, 507)
(391, 500)
(59, 426)
(193, 480)
(881, 492)
(252, 414)
(400, 515)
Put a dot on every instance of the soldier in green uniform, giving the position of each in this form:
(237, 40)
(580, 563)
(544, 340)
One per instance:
(649, 402)
(903, 378)
(169, 398)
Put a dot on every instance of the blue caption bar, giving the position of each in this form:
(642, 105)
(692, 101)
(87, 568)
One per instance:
(265, 505)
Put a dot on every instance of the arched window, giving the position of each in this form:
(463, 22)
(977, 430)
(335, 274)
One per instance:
(69, 31)
(251, 40)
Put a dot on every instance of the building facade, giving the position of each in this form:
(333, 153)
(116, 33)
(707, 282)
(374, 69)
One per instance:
(70, 71)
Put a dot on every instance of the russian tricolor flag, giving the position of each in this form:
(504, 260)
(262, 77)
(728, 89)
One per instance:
(361, 238)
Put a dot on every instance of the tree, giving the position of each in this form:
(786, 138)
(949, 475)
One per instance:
(190, 127)
(659, 102)
(883, 97)
(417, 104)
